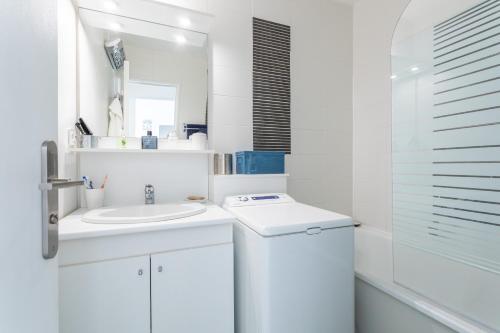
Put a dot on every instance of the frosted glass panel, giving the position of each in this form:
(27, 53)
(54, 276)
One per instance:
(446, 154)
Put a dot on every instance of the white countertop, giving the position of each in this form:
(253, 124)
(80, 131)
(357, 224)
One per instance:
(71, 227)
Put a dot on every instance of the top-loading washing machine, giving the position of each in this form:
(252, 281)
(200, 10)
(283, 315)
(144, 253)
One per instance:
(294, 266)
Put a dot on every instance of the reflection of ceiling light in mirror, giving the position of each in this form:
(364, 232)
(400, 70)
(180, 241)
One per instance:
(415, 69)
(180, 39)
(394, 77)
(110, 5)
(184, 22)
(115, 26)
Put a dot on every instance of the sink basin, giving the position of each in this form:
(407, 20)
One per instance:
(142, 213)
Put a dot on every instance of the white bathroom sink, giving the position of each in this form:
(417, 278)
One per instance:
(142, 213)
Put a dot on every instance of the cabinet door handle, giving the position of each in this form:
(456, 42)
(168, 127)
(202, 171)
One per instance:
(160, 269)
(140, 272)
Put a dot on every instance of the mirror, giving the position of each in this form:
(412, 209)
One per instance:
(137, 76)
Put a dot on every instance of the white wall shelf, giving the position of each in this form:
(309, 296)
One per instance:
(140, 151)
(235, 176)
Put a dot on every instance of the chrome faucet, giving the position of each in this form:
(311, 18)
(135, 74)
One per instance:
(149, 194)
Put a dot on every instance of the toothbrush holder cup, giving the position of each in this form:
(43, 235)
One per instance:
(94, 198)
(89, 141)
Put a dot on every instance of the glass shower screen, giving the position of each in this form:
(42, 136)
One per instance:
(446, 154)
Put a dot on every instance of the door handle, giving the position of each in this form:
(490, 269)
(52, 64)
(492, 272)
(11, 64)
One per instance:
(50, 198)
(52, 184)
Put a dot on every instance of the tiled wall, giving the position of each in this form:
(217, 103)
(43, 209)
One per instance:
(174, 176)
(95, 79)
(320, 166)
(321, 162)
(230, 116)
(66, 29)
(374, 24)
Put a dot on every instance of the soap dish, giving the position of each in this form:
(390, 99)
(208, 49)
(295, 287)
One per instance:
(196, 198)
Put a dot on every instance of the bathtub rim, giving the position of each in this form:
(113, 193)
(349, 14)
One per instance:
(414, 300)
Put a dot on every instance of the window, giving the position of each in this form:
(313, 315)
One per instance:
(156, 115)
(152, 107)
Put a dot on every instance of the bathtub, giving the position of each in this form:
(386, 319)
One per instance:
(382, 306)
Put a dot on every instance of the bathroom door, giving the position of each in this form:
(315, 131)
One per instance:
(28, 109)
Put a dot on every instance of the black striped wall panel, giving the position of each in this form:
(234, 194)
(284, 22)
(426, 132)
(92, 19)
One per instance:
(271, 86)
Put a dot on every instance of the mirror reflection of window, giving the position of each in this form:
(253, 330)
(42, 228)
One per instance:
(152, 107)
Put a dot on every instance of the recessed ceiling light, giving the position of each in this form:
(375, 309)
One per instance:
(394, 77)
(180, 39)
(184, 22)
(414, 69)
(110, 5)
(115, 26)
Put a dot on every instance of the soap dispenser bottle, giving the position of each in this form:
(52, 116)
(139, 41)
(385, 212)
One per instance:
(149, 141)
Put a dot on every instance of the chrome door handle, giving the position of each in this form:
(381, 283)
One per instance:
(50, 198)
(52, 184)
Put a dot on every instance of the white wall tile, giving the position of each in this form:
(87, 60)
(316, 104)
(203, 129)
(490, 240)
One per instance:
(336, 143)
(339, 181)
(233, 52)
(232, 138)
(174, 176)
(374, 23)
(307, 114)
(68, 198)
(309, 191)
(321, 114)
(276, 10)
(309, 142)
(142, 67)
(228, 110)
(95, 77)
(231, 39)
(232, 81)
(307, 166)
(234, 7)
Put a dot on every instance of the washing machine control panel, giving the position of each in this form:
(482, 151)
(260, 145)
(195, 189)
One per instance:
(265, 197)
(257, 199)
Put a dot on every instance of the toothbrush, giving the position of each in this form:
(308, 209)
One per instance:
(104, 181)
(86, 181)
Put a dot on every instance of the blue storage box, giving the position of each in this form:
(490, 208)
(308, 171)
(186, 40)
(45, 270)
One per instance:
(260, 162)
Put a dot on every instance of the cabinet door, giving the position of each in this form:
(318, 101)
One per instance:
(192, 290)
(105, 297)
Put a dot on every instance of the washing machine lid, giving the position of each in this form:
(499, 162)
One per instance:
(279, 214)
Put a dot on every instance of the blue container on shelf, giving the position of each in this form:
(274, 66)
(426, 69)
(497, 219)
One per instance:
(260, 162)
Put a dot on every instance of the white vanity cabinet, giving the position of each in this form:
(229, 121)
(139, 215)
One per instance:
(165, 277)
(105, 297)
(192, 290)
(186, 291)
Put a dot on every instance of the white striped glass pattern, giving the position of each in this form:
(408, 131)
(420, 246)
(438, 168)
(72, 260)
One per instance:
(446, 158)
